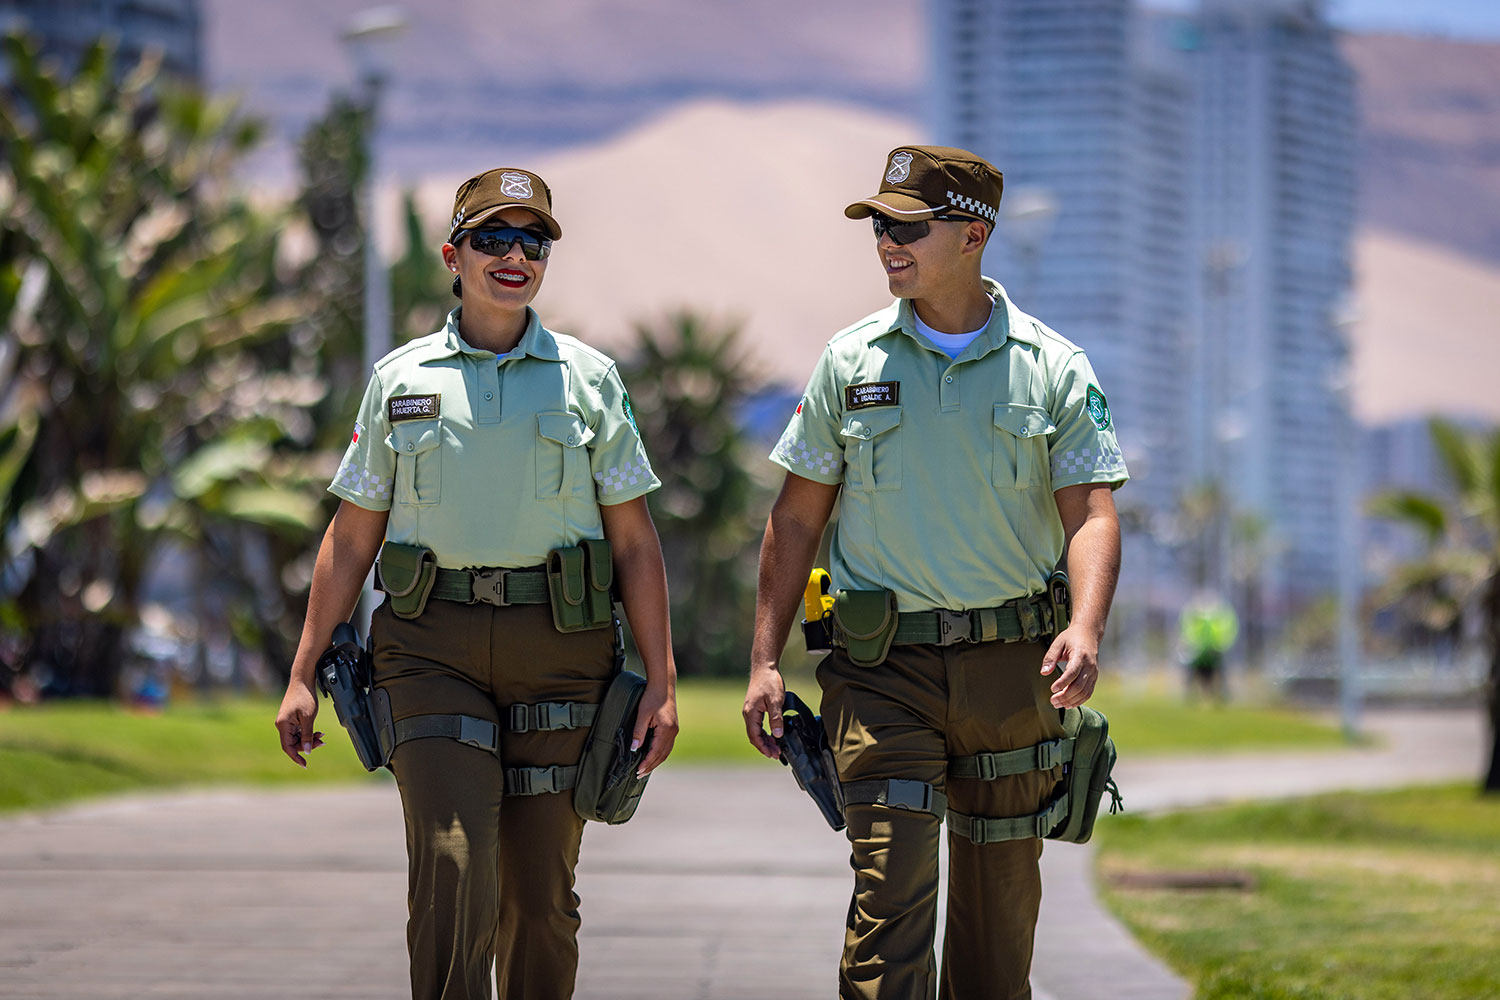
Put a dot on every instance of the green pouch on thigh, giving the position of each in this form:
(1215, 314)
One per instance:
(608, 790)
(599, 572)
(407, 573)
(866, 619)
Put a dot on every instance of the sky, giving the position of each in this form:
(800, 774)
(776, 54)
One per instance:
(1450, 18)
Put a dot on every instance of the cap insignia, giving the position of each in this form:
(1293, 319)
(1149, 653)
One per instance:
(514, 185)
(900, 167)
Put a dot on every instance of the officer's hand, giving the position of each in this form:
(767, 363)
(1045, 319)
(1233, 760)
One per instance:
(1077, 657)
(295, 722)
(763, 700)
(658, 711)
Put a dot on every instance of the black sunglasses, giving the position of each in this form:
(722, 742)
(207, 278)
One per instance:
(498, 242)
(902, 233)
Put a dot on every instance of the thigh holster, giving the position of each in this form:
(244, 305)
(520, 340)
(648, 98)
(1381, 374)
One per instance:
(604, 782)
(1086, 755)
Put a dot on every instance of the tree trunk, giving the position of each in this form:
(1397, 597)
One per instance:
(1492, 692)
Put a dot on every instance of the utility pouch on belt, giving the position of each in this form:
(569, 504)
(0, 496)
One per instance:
(407, 573)
(866, 619)
(343, 674)
(608, 790)
(1061, 598)
(579, 578)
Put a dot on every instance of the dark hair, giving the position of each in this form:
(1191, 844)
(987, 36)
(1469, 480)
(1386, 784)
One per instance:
(458, 286)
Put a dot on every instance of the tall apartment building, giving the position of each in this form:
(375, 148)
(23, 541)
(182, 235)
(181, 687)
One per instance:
(1086, 106)
(66, 28)
(1200, 172)
(1275, 218)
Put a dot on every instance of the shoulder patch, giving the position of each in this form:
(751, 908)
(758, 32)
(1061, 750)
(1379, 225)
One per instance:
(864, 394)
(412, 407)
(629, 413)
(1098, 408)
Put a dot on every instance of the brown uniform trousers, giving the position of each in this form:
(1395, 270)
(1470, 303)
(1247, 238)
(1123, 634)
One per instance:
(904, 719)
(490, 876)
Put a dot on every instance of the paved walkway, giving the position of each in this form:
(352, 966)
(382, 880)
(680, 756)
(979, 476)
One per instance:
(301, 893)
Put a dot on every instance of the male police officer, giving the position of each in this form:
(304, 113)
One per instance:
(968, 447)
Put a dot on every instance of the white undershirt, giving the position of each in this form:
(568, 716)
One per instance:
(951, 344)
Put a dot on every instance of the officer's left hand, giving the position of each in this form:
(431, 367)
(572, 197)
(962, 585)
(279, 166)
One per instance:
(658, 711)
(1077, 656)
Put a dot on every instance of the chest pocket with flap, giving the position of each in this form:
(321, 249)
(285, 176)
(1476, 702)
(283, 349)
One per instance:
(562, 464)
(1020, 461)
(872, 448)
(419, 460)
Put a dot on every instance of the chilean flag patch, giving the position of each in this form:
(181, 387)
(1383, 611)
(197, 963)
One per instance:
(357, 431)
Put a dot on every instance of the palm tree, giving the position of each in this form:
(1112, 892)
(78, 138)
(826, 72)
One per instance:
(135, 293)
(688, 382)
(1459, 573)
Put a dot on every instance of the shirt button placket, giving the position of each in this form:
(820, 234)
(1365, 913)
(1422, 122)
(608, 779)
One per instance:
(948, 391)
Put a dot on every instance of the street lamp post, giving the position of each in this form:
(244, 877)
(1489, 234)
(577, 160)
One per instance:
(369, 39)
(1349, 579)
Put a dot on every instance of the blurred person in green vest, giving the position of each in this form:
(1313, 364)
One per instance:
(1207, 630)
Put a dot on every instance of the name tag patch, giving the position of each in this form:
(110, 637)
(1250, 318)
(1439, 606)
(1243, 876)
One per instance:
(857, 397)
(411, 407)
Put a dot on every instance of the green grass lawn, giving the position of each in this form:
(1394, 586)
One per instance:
(1370, 896)
(66, 750)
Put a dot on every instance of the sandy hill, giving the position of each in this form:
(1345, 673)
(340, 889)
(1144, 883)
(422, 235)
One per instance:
(1425, 334)
(732, 209)
(476, 81)
(735, 210)
(1429, 145)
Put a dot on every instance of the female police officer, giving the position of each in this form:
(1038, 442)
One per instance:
(479, 450)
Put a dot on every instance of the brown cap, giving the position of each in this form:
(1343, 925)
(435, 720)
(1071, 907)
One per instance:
(923, 181)
(483, 195)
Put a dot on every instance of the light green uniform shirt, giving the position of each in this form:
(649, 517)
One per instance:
(493, 461)
(948, 465)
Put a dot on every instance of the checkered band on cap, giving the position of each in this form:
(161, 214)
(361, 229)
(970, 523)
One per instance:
(964, 203)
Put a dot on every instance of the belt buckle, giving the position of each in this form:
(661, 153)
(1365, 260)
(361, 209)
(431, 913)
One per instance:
(489, 587)
(953, 627)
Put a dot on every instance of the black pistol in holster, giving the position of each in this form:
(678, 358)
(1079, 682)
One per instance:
(804, 748)
(343, 674)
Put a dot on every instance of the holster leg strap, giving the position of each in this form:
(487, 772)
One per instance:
(540, 780)
(480, 733)
(991, 830)
(896, 793)
(999, 763)
(550, 715)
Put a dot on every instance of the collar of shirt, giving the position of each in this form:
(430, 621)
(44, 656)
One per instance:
(901, 317)
(536, 341)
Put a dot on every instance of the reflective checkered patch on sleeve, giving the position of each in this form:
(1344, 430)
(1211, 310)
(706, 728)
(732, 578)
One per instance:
(619, 478)
(797, 453)
(363, 482)
(1102, 463)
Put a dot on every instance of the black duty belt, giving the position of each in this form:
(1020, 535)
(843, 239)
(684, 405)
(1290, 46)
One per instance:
(500, 587)
(1025, 619)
